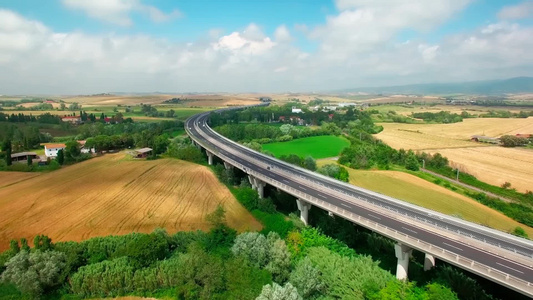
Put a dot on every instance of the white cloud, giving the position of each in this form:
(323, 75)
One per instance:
(282, 34)
(362, 25)
(119, 11)
(35, 59)
(519, 11)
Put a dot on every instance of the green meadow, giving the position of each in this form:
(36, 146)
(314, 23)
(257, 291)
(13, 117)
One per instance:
(316, 146)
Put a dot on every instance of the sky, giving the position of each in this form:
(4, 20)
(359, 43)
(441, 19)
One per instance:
(97, 46)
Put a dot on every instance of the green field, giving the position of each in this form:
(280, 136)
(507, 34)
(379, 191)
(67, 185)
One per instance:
(420, 192)
(316, 146)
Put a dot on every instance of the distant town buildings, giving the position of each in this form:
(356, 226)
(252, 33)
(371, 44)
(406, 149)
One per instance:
(265, 99)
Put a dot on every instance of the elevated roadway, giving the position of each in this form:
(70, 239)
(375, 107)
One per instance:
(497, 256)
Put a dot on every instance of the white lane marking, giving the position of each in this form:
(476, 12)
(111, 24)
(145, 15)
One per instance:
(374, 216)
(320, 195)
(452, 246)
(302, 188)
(285, 180)
(346, 205)
(410, 230)
(510, 268)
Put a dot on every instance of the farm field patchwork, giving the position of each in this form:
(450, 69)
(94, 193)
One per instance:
(316, 146)
(456, 135)
(114, 195)
(420, 192)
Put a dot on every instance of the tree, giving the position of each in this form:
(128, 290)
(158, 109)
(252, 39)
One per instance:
(411, 162)
(72, 151)
(513, 141)
(307, 279)
(7, 148)
(14, 246)
(253, 246)
(24, 245)
(29, 160)
(279, 258)
(33, 273)
(506, 185)
(286, 129)
(60, 157)
(277, 292)
(310, 163)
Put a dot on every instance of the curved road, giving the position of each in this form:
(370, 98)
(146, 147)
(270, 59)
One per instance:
(357, 200)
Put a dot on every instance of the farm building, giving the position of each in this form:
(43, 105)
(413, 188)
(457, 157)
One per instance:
(22, 157)
(50, 150)
(142, 153)
(296, 110)
(265, 99)
(72, 119)
(485, 139)
(84, 149)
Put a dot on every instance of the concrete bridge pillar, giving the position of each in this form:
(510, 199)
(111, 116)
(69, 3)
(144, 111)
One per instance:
(304, 208)
(209, 157)
(429, 262)
(228, 166)
(403, 253)
(257, 184)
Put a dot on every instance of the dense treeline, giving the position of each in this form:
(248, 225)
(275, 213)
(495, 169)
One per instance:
(264, 133)
(46, 118)
(195, 265)
(440, 117)
(22, 137)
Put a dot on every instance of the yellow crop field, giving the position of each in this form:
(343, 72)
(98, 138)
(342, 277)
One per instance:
(490, 163)
(420, 192)
(114, 195)
(456, 135)
(494, 165)
(208, 100)
(10, 178)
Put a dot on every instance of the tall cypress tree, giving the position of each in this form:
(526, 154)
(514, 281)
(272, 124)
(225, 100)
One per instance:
(7, 149)
(60, 157)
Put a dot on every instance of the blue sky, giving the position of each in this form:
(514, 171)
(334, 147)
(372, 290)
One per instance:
(284, 45)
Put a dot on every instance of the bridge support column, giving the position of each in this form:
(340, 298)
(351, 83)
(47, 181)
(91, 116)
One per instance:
(304, 208)
(403, 253)
(228, 166)
(429, 262)
(209, 157)
(257, 184)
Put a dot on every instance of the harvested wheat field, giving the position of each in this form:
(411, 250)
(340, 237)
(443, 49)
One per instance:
(494, 165)
(423, 193)
(10, 178)
(116, 195)
(456, 135)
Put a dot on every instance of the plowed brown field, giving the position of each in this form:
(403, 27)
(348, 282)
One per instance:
(115, 195)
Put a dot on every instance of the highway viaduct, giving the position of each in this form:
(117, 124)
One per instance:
(497, 256)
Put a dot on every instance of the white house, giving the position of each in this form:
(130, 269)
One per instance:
(84, 149)
(296, 110)
(50, 150)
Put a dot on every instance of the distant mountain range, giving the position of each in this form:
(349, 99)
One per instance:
(486, 87)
